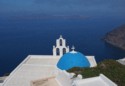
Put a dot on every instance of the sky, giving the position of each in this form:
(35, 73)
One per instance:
(62, 7)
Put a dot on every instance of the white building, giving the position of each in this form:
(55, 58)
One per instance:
(121, 61)
(41, 70)
(66, 79)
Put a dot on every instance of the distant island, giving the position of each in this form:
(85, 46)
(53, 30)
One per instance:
(116, 37)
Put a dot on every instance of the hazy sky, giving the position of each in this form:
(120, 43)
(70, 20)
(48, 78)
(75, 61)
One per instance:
(62, 7)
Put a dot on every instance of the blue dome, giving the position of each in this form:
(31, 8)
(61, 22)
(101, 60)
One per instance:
(73, 59)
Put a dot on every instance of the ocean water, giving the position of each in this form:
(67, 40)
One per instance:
(21, 37)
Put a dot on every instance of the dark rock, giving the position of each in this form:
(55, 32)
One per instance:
(116, 37)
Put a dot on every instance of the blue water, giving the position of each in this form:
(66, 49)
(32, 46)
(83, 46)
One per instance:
(21, 37)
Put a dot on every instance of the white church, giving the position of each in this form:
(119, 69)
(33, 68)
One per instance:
(50, 70)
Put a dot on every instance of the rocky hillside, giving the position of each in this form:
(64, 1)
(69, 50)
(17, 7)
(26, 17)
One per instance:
(116, 37)
(110, 68)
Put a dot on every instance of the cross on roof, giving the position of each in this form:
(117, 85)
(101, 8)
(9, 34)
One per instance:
(60, 36)
(73, 48)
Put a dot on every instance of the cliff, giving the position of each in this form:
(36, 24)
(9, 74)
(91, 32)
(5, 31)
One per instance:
(116, 37)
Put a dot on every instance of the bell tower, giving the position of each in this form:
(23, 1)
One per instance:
(60, 47)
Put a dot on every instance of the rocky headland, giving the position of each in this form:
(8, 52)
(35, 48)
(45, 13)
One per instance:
(116, 37)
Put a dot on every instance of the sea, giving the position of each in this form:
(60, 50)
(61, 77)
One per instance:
(22, 37)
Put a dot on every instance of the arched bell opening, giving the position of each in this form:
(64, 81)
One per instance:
(64, 50)
(57, 51)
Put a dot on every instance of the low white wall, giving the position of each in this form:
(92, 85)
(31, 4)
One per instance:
(121, 61)
(89, 80)
(11, 74)
(92, 61)
(108, 81)
(44, 56)
(1, 84)
(64, 78)
(82, 81)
